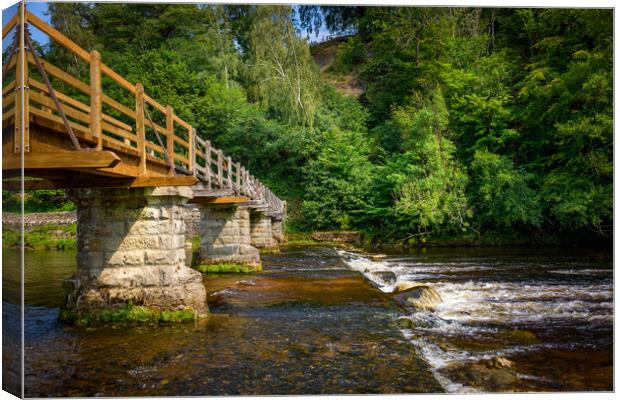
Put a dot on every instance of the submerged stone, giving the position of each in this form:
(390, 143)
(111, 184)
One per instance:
(421, 297)
(404, 323)
(229, 268)
(388, 277)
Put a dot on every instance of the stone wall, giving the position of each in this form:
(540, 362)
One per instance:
(131, 246)
(225, 236)
(260, 231)
(192, 221)
(32, 220)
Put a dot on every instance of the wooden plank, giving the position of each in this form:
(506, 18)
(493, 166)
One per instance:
(213, 193)
(220, 167)
(118, 79)
(118, 106)
(58, 37)
(55, 123)
(62, 75)
(22, 131)
(155, 147)
(8, 100)
(165, 181)
(62, 160)
(181, 142)
(182, 123)
(95, 97)
(118, 132)
(224, 200)
(229, 173)
(8, 87)
(8, 114)
(33, 83)
(152, 102)
(179, 157)
(208, 162)
(170, 136)
(9, 25)
(158, 128)
(69, 111)
(117, 123)
(140, 131)
(192, 149)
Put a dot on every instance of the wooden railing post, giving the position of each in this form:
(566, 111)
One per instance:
(192, 150)
(95, 97)
(170, 135)
(208, 162)
(21, 86)
(230, 182)
(238, 182)
(140, 132)
(220, 166)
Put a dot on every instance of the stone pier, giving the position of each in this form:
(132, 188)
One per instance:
(225, 243)
(260, 232)
(277, 230)
(131, 249)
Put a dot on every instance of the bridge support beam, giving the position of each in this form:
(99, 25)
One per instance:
(277, 229)
(131, 249)
(225, 243)
(260, 231)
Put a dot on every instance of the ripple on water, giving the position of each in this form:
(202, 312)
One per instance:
(503, 307)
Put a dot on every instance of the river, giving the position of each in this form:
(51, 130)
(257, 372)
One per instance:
(319, 320)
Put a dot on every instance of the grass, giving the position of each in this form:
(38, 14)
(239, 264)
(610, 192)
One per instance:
(44, 237)
(227, 268)
(129, 313)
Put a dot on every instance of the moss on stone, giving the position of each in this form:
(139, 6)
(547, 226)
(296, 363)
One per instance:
(196, 243)
(129, 313)
(269, 250)
(228, 268)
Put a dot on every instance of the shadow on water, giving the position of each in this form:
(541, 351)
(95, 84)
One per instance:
(310, 323)
(306, 325)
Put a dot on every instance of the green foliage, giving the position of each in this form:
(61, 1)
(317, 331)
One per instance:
(500, 194)
(350, 54)
(337, 181)
(471, 120)
(36, 201)
(44, 237)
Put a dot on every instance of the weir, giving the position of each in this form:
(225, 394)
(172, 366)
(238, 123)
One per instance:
(131, 178)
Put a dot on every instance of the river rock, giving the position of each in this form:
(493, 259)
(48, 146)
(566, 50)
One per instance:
(404, 323)
(485, 374)
(377, 257)
(419, 296)
(388, 277)
(341, 236)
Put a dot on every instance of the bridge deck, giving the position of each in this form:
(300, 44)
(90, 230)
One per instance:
(103, 131)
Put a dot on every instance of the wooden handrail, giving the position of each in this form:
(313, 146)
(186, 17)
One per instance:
(194, 152)
(9, 25)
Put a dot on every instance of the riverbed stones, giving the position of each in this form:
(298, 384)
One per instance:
(225, 237)
(131, 250)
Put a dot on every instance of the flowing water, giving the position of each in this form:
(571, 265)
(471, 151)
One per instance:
(508, 319)
(311, 323)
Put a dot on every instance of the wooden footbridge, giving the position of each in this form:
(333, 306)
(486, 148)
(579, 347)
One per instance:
(67, 132)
